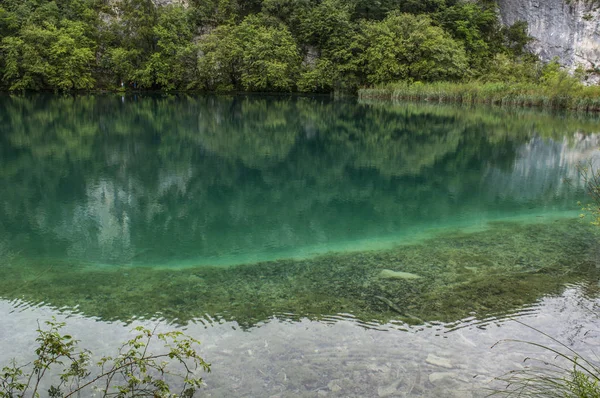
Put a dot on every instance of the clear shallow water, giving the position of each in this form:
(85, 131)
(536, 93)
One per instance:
(271, 215)
(344, 357)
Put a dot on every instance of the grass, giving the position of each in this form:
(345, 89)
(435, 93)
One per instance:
(569, 374)
(580, 98)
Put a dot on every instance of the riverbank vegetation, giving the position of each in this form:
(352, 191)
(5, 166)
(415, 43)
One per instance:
(258, 45)
(547, 86)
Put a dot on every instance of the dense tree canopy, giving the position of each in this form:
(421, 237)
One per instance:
(407, 47)
(258, 45)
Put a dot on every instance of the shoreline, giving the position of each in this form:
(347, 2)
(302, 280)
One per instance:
(583, 99)
(500, 96)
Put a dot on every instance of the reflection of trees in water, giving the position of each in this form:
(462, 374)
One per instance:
(167, 177)
(257, 132)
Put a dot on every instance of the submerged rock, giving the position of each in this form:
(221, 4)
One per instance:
(389, 274)
(438, 376)
(386, 391)
(438, 361)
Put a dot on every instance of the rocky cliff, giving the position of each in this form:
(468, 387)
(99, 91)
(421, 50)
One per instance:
(568, 29)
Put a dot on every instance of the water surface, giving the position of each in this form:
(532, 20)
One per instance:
(266, 215)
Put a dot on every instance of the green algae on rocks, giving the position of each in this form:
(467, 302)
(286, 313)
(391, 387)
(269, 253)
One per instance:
(461, 274)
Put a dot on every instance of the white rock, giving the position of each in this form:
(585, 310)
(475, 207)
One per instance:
(437, 376)
(389, 274)
(438, 361)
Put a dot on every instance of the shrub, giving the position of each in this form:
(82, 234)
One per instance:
(134, 371)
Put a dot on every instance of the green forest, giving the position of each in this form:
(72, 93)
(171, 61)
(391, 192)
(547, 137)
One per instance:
(256, 45)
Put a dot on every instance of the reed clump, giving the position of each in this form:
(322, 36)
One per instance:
(579, 98)
(568, 374)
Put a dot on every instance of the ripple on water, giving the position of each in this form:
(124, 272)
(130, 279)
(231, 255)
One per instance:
(492, 275)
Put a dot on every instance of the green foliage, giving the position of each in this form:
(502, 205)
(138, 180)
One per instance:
(174, 63)
(131, 42)
(516, 38)
(122, 62)
(324, 24)
(504, 69)
(47, 56)
(137, 19)
(258, 45)
(327, 30)
(254, 56)
(407, 47)
(377, 10)
(476, 25)
(213, 12)
(8, 22)
(557, 79)
(134, 371)
(533, 85)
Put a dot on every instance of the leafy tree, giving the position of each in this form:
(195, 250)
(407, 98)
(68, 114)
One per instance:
(220, 62)
(130, 40)
(137, 19)
(285, 10)
(476, 25)
(326, 30)
(323, 76)
(516, 38)
(254, 56)
(8, 22)
(122, 63)
(212, 13)
(372, 10)
(174, 63)
(408, 47)
(558, 80)
(378, 10)
(423, 6)
(256, 45)
(60, 58)
(45, 12)
(325, 23)
(505, 69)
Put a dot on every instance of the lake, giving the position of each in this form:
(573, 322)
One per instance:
(316, 246)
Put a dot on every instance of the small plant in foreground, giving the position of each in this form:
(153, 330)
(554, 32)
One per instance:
(569, 375)
(133, 372)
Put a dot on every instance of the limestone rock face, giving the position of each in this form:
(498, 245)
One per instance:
(568, 29)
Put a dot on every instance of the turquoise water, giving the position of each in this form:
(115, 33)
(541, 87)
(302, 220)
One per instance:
(171, 181)
(95, 185)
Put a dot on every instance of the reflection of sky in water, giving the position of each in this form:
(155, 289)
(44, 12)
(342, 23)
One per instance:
(343, 357)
